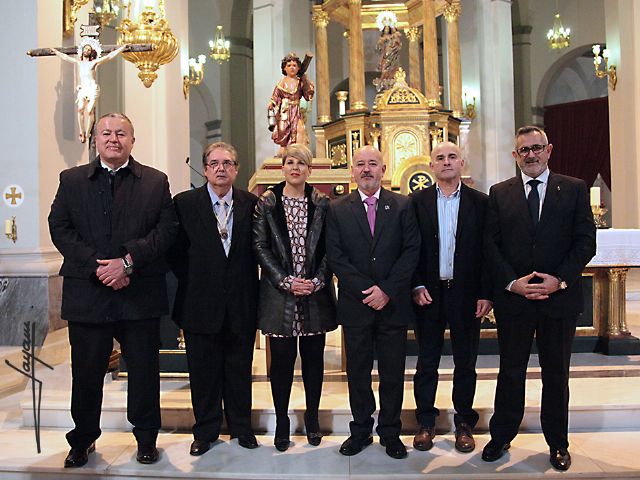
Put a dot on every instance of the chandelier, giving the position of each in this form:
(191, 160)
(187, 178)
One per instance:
(152, 27)
(106, 10)
(219, 47)
(558, 36)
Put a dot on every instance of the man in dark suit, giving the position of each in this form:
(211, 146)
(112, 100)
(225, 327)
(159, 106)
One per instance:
(216, 301)
(540, 236)
(113, 220)
(450, 290)
(372, 246)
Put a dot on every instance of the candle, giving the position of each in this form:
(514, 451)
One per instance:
(595, 196)
(8, 227)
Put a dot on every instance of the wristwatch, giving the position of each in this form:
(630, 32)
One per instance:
(562, 285)
(128, 266)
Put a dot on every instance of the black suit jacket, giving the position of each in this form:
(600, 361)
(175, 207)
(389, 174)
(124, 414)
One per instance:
(562, 244)
(360, 261)
(210, 284)
(471, 279)
(86, 225)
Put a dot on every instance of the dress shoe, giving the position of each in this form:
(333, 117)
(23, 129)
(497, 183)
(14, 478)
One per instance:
(464, 439)
(198, 447)
(314, 438)
(282, 444)
(354, 445)
(148, 454)
(493, 451)
(560, 459)
(78, 456)
(394, 447)
(424, 438)
(248, 441)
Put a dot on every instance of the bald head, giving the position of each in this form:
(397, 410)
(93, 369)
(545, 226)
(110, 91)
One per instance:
(446, 163)
(367, 169)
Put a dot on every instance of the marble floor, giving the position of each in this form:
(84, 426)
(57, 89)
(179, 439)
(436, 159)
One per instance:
(605, 427)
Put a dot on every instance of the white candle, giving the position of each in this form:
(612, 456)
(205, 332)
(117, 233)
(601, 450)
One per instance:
(8, 227)
(595, 196)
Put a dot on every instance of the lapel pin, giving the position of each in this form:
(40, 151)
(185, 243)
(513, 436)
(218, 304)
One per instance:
(558, 187)
(386, 207)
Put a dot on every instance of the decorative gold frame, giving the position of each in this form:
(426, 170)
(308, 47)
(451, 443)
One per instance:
(69, 11)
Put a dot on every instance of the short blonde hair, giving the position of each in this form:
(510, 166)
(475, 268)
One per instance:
(299, 151)
(222, 145)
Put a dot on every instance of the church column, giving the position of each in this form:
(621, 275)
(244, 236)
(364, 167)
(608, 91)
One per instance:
(321, 20)
(413, 34)
(356, 57)
(451, 14)
(623, 40)
(522, 73)
(430, 39)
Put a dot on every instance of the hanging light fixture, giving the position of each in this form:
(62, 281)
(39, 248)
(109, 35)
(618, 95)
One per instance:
(219, 47)
(106, 10)
(150, 26)
(558, 37)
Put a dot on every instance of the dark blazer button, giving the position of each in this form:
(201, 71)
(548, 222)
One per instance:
(373, 259)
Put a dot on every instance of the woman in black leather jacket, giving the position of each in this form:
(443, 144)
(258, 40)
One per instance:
(296, 293)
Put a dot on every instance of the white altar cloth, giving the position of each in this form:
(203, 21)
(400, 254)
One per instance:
(617, 247)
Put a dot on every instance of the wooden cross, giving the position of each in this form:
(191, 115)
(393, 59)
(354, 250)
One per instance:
(13, 196)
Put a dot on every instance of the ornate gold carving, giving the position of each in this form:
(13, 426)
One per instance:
(412, 33)
(452, 10)
(320, 18)
(359, 106)
(355, 2)
(324, 119)
(403, 96)
(338, 155)
(405, 145)
(355, 141)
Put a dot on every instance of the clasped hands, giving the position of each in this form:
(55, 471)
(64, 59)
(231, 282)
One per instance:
(301, 287)
(375, 297)
(536, 291)
(422, 297)
(111, 273)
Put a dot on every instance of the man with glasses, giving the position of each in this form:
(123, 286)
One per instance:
(540, 236)
(216, 301)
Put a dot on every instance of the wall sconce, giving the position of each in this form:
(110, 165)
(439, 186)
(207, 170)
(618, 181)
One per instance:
(342, 99)
(196, 74)
(219, 47)
(470, 111)
(106, 10)
(11, 229)
(152, 27)
(603, 69)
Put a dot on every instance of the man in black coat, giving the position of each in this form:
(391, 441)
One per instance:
(540, 236)
(372, 246)
(450, 289)
(216, 301)
(113, 220)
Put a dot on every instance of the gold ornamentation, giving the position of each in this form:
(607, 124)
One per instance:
(405, 145)
(338, 155)
(219, 47)
(419, 181)
(355, 2)
(355, 141)
(598, 216)
(106, 11)
(558, 36)
(153, 28)
(320, 18)
(403, 96)
(452, 10)
(196, 74)
(606, 70)
(412, 33)
(70, 15)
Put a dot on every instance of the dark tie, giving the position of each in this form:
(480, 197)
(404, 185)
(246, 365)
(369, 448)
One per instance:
(371, 212)
(112, 178)
(534, 201)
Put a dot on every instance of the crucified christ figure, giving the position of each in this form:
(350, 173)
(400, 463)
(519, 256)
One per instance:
(87, 89)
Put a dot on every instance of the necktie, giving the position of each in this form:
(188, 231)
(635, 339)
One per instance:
(222, 216)
(371, 212)
(534, 201)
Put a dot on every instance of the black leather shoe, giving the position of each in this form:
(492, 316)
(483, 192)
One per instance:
(314, 438)
(354, 445)
(394, 447)
(78, 457)
(199, 447)
(493, 451)
(282, 444)
(560, 459)
(148, 454)
(464, 439)
(248, 441)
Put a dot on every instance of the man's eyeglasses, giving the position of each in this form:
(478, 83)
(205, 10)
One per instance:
(536, 149)
(226, 164)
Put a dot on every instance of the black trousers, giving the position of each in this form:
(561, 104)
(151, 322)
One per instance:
(220, 373)
(465, 336)
(554, 337)
(390, 342)
(91, 346)
(283, 359)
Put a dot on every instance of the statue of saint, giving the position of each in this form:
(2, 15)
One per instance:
(388, 46)
(87, 89)
(284, 105)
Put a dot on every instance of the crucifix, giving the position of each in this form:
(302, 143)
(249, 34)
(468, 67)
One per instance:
(89, 56)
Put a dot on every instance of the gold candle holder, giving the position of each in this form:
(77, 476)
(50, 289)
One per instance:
(598, 216)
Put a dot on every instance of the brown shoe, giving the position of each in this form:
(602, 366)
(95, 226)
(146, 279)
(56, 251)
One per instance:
(464, 439)
(424, 438)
